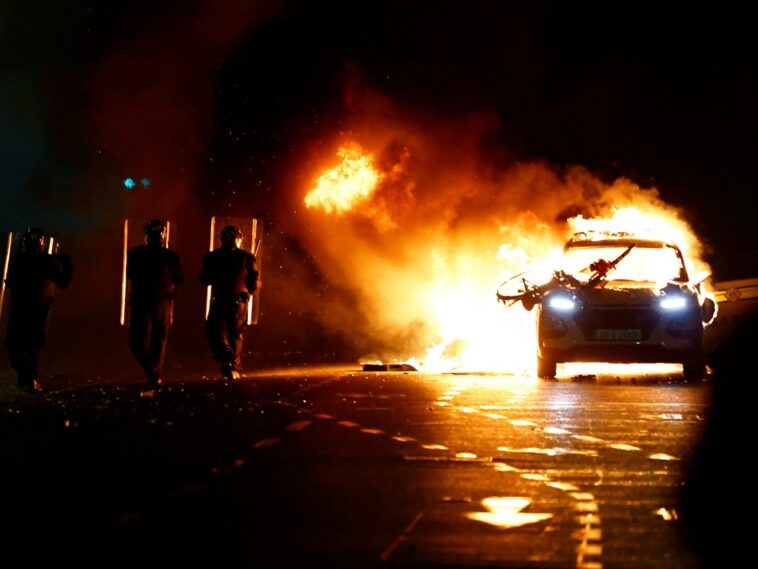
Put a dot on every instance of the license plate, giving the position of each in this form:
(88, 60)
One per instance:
(618, 334)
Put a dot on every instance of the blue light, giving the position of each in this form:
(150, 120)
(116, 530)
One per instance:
(145, 182)
(563, 303)
(129, 183)
(676, 302)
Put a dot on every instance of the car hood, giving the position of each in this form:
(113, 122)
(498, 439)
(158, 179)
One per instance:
(620, 296)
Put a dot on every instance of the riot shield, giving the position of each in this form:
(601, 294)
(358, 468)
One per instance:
(6, 264)
(134, 236)
(252, 239)
(12, 245)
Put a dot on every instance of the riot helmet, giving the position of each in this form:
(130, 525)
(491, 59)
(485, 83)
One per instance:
(33, 239)
(155, 232)
(231, 237)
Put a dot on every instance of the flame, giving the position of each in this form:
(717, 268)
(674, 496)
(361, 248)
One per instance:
(655, 222)
(346, 185)
(429, 269)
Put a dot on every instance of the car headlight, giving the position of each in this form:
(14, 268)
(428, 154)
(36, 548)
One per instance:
(674, 302)
(562, 303)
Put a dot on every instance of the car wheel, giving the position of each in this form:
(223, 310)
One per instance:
(546, 368)
(694, 369)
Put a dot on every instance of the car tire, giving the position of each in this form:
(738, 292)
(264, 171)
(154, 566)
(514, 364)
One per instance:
(694, 369)
(546, 368)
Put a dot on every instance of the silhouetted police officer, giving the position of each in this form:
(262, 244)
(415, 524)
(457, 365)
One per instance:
(153, 271)
(232, 275)
(32, 277)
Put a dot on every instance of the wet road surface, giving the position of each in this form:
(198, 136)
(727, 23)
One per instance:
(334, 467)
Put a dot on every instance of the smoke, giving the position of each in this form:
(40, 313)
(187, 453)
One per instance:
(454, 213)
(147, 110)
(153, 114)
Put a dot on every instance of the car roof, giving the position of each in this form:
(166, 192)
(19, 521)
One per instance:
(577, 242)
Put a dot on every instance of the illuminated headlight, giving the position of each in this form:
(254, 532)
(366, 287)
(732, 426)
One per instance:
(676, 302)
(562, 303)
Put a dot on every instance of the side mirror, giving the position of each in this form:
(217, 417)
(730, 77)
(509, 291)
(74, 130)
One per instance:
(708, 310)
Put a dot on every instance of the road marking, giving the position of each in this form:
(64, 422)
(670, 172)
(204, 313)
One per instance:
(297, 426)
(545, 451)
(588, 507)
(465, 455)
(386, 554)
(662, 456)
(323, 416)
(402, 439)
(266, 443)
(623, 446)
(447, 458)
(563, 486)
(505, 512)
(522, 423)
(534, 476)
(582, 496)
(503, 467)
(589, 439)
(556, 431)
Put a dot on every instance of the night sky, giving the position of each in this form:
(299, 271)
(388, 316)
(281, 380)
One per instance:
(216, 103)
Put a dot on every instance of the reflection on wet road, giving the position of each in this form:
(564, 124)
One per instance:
(355, 468)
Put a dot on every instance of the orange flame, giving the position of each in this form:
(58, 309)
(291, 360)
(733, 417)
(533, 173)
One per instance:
(350, 183)
(438, 283)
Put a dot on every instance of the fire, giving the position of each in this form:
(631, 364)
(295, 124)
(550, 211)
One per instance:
(425, 283)
(350, 183)
(654, 223)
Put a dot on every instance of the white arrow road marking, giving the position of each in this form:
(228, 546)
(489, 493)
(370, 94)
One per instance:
(505, 512)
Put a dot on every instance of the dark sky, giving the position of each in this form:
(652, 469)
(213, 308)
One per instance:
(664, 94)
(211, 100)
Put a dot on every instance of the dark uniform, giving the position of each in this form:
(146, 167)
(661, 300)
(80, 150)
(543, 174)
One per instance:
(232, 275)
(32, 277)
(153, 272)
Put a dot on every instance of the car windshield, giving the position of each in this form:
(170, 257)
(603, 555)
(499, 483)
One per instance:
(646, 263)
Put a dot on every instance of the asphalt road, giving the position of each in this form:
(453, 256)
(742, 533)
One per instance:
(336, 467)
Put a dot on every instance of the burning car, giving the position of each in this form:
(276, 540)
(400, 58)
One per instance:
(617, 298)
